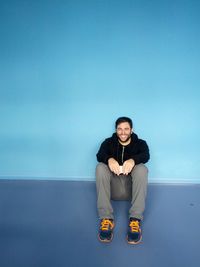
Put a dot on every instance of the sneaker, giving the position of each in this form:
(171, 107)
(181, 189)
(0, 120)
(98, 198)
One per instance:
(106, 230)
(134, 235)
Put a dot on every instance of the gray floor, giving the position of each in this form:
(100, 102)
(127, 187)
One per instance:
(54, 224)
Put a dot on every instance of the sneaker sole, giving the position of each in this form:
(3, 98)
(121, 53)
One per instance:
(134, 242)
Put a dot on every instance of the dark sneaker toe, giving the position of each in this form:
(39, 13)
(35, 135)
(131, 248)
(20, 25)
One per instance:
(105, 237)
(134, 238)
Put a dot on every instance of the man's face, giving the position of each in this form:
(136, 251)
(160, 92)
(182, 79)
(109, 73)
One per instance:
(124, 131)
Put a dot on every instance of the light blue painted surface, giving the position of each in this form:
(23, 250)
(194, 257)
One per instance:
(70, 68)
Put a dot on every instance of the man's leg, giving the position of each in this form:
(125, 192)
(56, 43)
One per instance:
(105, 210)
(103, 185)
(139, 176)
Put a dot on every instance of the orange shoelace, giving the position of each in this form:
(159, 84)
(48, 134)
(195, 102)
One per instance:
(106, 224)
(135, 227)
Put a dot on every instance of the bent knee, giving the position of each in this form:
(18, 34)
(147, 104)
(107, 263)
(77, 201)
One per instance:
(101, 169)
(140, 171)
(140, 168)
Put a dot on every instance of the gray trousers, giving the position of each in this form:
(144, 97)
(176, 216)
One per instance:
(132, 187)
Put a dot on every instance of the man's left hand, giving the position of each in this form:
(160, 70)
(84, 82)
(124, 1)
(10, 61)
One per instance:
(128, 166)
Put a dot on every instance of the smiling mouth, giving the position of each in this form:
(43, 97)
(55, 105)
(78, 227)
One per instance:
(123, 136)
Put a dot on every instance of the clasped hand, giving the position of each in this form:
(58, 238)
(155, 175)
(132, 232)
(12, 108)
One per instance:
(126, 168)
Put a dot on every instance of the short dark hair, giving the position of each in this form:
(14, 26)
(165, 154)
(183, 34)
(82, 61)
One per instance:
(123, 119)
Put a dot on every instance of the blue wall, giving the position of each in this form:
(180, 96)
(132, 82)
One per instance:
(70, 68)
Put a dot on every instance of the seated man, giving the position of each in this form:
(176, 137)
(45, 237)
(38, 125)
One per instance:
(122, 175)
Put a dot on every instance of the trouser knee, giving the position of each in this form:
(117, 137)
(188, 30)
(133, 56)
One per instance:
(102, 171)
(140, 173)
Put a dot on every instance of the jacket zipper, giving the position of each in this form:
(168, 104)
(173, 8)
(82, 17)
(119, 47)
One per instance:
(122, 154)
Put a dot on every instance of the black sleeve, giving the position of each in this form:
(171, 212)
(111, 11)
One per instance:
(143, 156)
(104, 152)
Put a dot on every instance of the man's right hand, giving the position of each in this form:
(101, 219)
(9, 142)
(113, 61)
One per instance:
(114, 166)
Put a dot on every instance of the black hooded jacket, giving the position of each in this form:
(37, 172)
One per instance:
(111, 148)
